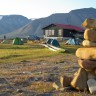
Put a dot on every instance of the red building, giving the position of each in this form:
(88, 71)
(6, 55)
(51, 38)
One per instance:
(62, 31)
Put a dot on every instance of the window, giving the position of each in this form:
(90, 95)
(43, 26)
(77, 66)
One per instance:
(49, 32)
(46, 33)
(60, 32)
(52, 32)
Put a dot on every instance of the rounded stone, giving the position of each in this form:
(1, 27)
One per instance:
(87, 64)
(89, 23)
(87, 43)
(90, 34)
(86, 53)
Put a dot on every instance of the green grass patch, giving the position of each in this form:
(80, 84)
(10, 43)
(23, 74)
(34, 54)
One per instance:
(17, 53)
(71, 49)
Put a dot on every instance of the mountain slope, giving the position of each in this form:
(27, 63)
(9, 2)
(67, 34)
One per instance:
(9, 23)
(74, 17)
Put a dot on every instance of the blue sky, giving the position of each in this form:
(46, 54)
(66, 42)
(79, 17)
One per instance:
(42, 8)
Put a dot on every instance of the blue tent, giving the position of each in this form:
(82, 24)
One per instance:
(33, 37)
(53, 42)
(49, 41)
(72, 41)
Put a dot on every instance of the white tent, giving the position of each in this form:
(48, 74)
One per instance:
(72, 41)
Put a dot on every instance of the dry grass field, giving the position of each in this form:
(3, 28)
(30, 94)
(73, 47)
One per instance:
(31, 69)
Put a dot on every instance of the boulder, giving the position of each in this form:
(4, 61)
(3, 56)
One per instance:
(92, 86)
(90, 34)
(89, 23)
(86, 53)
(65, 81)
(87, 43)
(79, 82)
(87, 64)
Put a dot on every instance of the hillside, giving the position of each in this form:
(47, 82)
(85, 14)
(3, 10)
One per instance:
(74, 17)
(9, 23)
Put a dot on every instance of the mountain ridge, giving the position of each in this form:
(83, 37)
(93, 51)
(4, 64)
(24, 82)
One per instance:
(74, 17)
(9, 23)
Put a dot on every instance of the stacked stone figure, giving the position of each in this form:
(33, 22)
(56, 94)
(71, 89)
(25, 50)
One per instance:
(85, 78)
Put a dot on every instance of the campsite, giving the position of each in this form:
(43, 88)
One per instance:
(27, 69)
(50, 66)
(48, 48)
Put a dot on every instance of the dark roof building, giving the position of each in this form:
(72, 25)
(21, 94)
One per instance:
(69, 27)
(61, 31)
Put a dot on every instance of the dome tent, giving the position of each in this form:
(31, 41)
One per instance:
(53, 42)
(49, 41)
(17, 41)
(33, 37)
(72, 41)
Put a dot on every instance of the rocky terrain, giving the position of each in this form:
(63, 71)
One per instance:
(35, 78)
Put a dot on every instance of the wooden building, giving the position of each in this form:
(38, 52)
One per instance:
(62, 31)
